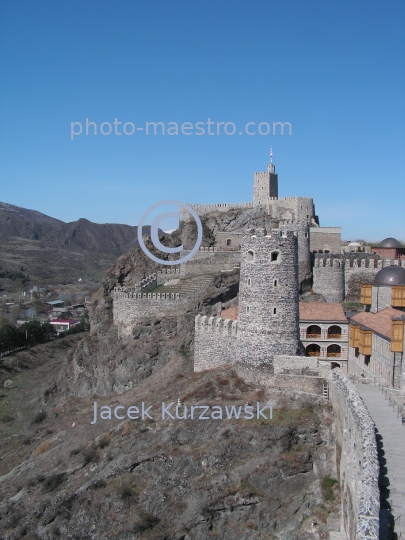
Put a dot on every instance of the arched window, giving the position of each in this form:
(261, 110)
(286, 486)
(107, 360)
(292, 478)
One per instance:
(334, 365)
(275, 255)
(275, 283)
(229, 242)
(333, 351)
(313, 350)
(314, 331)
(250, 257)
(249, 282)
(247, 309)
(334, 332)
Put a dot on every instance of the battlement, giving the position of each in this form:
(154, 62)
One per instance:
(227, 327)
(297, 198)
(169, 271)
(146, 296)
(143, 284)
(274, 236)
(329, 262)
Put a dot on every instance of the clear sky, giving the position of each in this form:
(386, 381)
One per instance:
(333, 69)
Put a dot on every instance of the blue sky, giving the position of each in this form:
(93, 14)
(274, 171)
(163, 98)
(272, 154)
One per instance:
(333, 69)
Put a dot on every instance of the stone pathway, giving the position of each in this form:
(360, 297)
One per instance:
(393, 440)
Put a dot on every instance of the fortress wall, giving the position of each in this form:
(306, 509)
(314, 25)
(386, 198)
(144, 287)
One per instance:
(358, 271)
(291, 208)
(322, 238)
(130, 307)
(329, 279)
(214, 342)
(206, 262)
(357, 463)
(263, 376)
(282, 362)
(203, 209)
(167, 274)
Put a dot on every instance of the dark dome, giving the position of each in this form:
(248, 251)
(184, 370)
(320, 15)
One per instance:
(390, 243)
(390, 275)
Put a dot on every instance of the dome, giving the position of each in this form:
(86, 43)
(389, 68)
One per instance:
(390, 243)
(390, 275)
(354, 244)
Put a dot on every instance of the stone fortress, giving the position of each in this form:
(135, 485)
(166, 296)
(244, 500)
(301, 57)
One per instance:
(262, 340)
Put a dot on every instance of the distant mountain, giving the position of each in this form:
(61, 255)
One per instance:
(49, 250)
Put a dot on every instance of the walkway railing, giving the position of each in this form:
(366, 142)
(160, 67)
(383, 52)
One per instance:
(398, 407)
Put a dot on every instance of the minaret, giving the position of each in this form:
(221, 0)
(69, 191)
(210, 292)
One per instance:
(265, 185)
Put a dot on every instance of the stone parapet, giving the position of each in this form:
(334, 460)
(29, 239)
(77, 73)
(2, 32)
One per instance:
(357, 462)
(214, 342)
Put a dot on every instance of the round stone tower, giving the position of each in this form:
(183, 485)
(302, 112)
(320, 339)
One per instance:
(268, 296)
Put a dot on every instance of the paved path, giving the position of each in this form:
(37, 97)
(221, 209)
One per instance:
(393, 439)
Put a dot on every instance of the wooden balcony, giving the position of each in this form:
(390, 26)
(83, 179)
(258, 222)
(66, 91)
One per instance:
(313, 336)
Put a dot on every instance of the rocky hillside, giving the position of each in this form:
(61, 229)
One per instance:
(161, 479)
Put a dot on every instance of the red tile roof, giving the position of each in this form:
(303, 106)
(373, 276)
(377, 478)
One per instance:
(378, 322)
(319, 311)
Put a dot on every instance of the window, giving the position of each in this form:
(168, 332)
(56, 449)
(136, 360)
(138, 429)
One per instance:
(247, 309)
(250, 256)
(275, 283)
(306, 235)
(314, 331)
(333, 351)
(275, 256)
(249, 282)
(229, 242)
(334, 332)
(274, 311)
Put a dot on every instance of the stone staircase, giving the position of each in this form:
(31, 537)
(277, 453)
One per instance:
(185, 286)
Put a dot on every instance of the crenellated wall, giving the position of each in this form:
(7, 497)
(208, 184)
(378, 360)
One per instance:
(167, 274)
(130, 307)
(214, 342)
(203, 209)
(329, 279)
(357, 460)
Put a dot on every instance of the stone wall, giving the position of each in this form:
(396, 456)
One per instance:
(325, 239)
(214, 342)
(129, 308)
(357, 461)
(203, 209)
(329, 279)
(381, 298)
(210, 260)
(263, 376)
(167, 274)
(283, 362)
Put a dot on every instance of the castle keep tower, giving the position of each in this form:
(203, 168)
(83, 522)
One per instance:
(265, 186)
(268, 298)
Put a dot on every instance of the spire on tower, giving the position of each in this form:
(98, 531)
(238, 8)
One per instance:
(271, 155)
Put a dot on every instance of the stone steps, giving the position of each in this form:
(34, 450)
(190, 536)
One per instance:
(187, 286)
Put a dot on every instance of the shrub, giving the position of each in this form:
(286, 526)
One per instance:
(52, 482)
(126, 493)
(99, 484)
(39, 417)
(43, 447)
(7, 419)
(90, 454)
(146, 521)
(327, 488)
